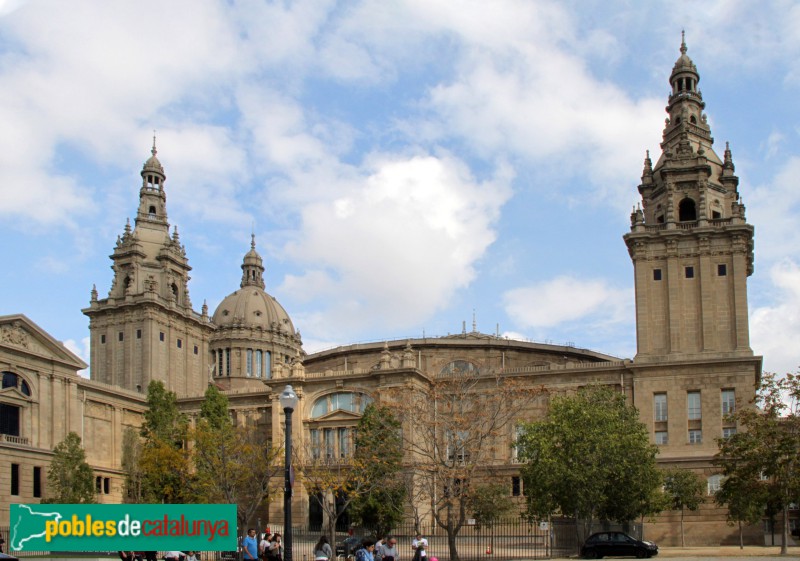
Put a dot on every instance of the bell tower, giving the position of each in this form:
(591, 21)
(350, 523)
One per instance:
(146, 328)
(691, 246)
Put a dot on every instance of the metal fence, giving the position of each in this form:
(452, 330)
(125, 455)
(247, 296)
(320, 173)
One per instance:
(504, 540)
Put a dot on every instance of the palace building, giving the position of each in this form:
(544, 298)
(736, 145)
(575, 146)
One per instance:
(692, 253)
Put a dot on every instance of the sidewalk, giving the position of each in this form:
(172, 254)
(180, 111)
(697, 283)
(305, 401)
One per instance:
(727, 551)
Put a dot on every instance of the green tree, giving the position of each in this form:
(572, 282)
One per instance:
(164, 461)
(489, 502)
(379, 448)
(131, 465)
(767, 447)
(233, 464)
(685, 489)
(745, 498)
(591, 458)
(70, 479)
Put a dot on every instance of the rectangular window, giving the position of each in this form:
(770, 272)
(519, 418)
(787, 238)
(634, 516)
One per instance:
(329, 439)
(220, 371)
(695, 436)
(228, 361)
(249, 362)
(180, 344)
(728, 402)
(106, 485)
(656, 274)
(722, 270)
(662, 437)
(689, 272)
(37, 482)
(195, 349)
(138, 333)
(121, 336)
(98, 483)
(660, 407)
(693, 407)
(103, 339)
(267, 364)
(315, 444)
(161, 336)
(15, 479)
(259, 365)
(728, 432)
(516, 486)
(344, 443)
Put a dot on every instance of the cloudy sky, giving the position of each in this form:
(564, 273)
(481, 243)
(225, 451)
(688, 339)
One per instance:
(406, 165)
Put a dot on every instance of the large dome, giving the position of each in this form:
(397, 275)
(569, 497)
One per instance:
(250, 306)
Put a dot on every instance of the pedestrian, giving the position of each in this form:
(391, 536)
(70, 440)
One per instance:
(250, 546)
(174, 556)
(275, 549)
(263, 545)
(323, 550)
(419, 545)
(389, 551)
(365, 552)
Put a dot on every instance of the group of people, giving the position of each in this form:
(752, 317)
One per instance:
(153, 556)
(268, 548)
(386, 550)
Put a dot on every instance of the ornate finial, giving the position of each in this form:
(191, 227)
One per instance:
(683, 42)
(728, 157)
(204, 309)
(127, 227)
(252, 241)
(474, 322)
(94, 293)
(154, 151)
(175, 237)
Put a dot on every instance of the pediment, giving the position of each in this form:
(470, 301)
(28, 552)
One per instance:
(19, 333)
(14, 396)
(338, 416)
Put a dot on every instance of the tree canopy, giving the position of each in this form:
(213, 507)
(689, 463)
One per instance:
(684, 488)
(761, 460)
(70, 479)
(379, 450)
(590, 458)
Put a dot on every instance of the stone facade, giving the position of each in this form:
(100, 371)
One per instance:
(692, 251)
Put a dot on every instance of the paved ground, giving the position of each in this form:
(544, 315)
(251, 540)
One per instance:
(722, 552)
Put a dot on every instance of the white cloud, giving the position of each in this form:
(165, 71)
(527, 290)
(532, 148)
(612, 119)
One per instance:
(398, 243)
(566, 299)
(775, 327)
(80, 348)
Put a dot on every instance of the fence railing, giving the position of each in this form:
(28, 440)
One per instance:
(498, 541)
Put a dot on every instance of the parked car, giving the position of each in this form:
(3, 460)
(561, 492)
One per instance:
(615, 544)
(348, 545)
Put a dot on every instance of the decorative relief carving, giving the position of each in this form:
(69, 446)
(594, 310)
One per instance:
(15, 335)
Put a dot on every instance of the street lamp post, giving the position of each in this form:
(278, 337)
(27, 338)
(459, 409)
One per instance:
(288, 401)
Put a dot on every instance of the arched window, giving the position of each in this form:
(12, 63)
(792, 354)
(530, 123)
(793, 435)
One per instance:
(175, 291)
(11, 380)
(340, 401)
(10, 414)
(460, 368)
(687, 211)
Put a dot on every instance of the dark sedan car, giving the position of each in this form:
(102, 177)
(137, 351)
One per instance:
(615, 544)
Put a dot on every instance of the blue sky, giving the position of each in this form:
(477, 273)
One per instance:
(402, 163)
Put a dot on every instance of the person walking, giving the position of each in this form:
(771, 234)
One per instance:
(323, 550)
(250, 546)
(389, 551)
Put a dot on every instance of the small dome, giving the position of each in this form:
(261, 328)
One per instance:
(684, 63)
(152, 164)
(250, 306)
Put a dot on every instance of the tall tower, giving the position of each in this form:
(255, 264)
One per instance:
(691, 247)
(146, 329)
